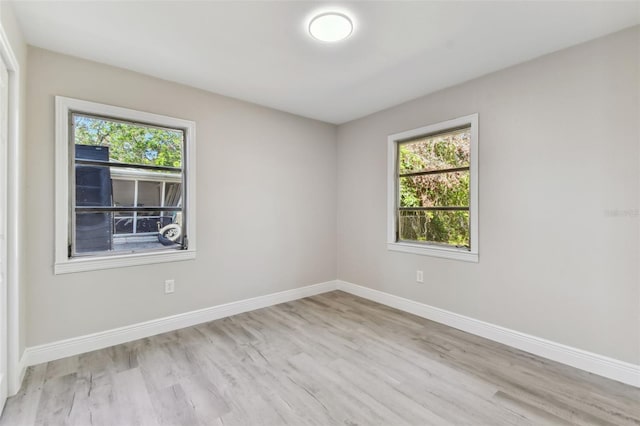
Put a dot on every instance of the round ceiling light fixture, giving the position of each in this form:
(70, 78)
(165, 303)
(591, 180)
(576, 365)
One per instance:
(330, 27)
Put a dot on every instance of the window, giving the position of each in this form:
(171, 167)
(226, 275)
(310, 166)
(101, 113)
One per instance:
(124, 187)
(433, 196)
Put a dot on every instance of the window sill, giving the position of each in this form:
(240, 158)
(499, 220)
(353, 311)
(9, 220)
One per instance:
(447, 253)
(120, 261)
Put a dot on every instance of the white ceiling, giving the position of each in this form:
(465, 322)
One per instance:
(260, 51)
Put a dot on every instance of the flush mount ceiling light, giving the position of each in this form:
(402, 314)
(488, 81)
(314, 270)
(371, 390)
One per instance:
(330, 27)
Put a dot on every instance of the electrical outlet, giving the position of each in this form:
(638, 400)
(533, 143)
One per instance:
(419, 276)
(169, 286)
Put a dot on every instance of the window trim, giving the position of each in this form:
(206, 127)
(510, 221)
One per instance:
(64, 166)
(393, 194)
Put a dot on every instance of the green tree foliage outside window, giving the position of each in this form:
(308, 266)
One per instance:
(131, 143)
(436, 153)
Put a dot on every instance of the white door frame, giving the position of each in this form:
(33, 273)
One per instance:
(4, 135)
(15, 371)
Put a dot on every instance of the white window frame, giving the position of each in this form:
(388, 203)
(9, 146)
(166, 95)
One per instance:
(64, 166)
(427, 249)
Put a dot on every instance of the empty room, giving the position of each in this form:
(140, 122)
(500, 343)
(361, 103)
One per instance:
(319, 213)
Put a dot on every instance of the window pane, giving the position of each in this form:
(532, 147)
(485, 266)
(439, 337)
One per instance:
(442, 151)
(93, 186)
(127, 145)
(149, 193)
(93, 232)
(436, 190)
(139, 242)
(130, 143)
(123, 223)
(123, 192)
(166, 220)
(147, 222)
(145, 237)
(444, 227)
(172, 194)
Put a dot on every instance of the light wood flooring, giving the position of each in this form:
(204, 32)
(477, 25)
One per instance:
(332, 359)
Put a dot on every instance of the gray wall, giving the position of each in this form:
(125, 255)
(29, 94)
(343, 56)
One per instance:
(265, 204)
(559, 199)
(559, 187)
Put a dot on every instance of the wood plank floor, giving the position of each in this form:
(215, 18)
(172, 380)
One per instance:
(332, 359)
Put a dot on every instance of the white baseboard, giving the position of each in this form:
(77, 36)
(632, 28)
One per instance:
(598, 364)
(77, 345)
